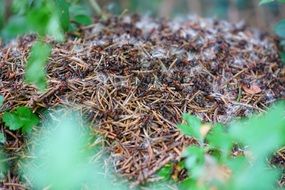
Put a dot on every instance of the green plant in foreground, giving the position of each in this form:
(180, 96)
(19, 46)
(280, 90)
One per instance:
(62, 156)
(3, 165)
(21, 118)
(35, 69)
(211, 163)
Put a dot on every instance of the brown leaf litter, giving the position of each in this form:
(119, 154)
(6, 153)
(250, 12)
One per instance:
(134, 77)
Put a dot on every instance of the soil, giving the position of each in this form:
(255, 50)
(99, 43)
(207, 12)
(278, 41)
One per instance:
(134, 77)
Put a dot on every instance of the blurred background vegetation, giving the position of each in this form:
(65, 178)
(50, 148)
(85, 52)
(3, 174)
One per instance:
(233, 10)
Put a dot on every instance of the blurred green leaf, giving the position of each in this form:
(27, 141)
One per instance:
(3, 165)
(45, 20)
(282, 56)
(22, 118)
(245, 175)
(261, 2)
(17, 25)
(192, 127)
(42, 17)
(265, 1)
(80, 14)
(195, 158)
(1, 100)
(279, 28)
(188, 184)
(2, 13)
(63, 13)
(54, 29)
(20, 7)
(39, 18)
(262, 133)
(165, 172)
(35, 70)
(219, 139)
(61, 157)
(79, 9)
(2, 138)
(83, 19)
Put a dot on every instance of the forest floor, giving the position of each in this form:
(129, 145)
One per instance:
(134, 76)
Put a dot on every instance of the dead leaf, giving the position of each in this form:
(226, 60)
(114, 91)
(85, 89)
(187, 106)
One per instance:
(214, 172)
(252, 89)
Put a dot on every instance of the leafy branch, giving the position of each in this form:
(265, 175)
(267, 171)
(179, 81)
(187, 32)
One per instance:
(216, 163)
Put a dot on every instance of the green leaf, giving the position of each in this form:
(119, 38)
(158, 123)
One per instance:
(76, 9)
(80, 14)
(63, 148)
(46, 20)
(3, 165)
(11, 121)
(219, 139)
(22, 118)
(192, 127)
(265, 2)
(196, 152)
(35, 70)
(245, 173)
(282, 56)
(17, 25)
(165, 172)
(38, 19)
(262, 133)
(1, 100)
(2, 13)
(63, 13)
(262, 2)
(279, 28)
(21, 7)
(54, 29)
(195, 159)
(83, 19)
(188, 184)
(2, 138)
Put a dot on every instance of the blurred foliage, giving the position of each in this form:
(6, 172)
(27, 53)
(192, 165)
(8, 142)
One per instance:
(2, 138)
(194, 130)
(280, 29)
(61, 156)
(1, 100)
(35, 70)
(214, 8)
(270, 1)
(211, 164)
(3, 165)
(45, 18)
